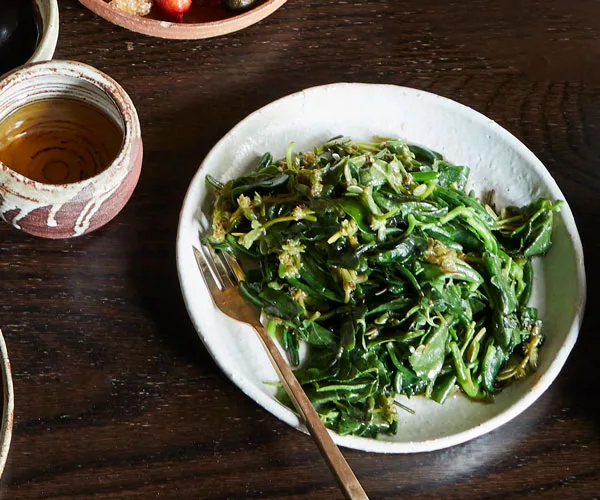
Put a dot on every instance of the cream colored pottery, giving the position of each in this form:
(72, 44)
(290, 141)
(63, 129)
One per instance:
(498, 161)
(67, 210)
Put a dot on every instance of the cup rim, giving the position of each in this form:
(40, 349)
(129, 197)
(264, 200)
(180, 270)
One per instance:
(50, 26)
(106, 84)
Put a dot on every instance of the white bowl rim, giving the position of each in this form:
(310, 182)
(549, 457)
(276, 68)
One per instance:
(9, 404)
(382, 446)
(50, 27)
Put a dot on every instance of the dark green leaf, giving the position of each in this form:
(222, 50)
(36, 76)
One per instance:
(492, 362)
(428, 358)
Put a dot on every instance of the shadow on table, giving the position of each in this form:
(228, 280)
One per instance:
(580, 378)
(175, 144)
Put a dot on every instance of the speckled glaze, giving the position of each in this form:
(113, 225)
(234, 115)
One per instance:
(68, 210)
(498, 161)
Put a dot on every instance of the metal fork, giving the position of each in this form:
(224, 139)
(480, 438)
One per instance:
(224, 290)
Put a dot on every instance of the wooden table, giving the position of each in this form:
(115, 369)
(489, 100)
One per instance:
(116, 397)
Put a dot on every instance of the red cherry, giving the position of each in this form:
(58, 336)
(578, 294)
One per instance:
(175, 8)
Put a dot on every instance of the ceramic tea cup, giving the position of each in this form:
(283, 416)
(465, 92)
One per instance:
(70, 209)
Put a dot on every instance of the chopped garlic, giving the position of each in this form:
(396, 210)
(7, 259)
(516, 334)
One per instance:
(135, 7)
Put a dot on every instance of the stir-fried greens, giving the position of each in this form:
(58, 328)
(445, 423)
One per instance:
(398, 281)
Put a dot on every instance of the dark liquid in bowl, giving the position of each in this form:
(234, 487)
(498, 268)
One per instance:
(20, 27)
(59, 140)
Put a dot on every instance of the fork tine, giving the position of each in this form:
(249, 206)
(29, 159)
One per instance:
(206, 272)
(224, 258)
(223, 270)
(235, 267)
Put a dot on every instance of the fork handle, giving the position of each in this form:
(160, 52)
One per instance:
(329, 451)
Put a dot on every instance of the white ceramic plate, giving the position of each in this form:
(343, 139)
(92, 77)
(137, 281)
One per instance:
(497, 159)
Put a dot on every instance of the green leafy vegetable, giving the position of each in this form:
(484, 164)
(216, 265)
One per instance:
(398, 281)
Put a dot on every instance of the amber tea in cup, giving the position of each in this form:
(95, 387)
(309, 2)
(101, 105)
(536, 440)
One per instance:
(59, 140)
(76, 130)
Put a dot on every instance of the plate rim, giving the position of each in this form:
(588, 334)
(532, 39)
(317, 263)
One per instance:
(9, 404)
(181, 31)
(384, 446)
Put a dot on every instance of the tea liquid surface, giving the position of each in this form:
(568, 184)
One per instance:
(59, 141)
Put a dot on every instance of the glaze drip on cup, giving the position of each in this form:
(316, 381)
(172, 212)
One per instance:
(59, 140)
(71, 201)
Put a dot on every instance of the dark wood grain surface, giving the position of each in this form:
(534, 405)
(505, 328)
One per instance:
(116, 397)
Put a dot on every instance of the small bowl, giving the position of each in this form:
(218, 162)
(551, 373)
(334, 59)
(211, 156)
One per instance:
(185, 30)
(48, 10)
(68, 210)
(48, 25)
